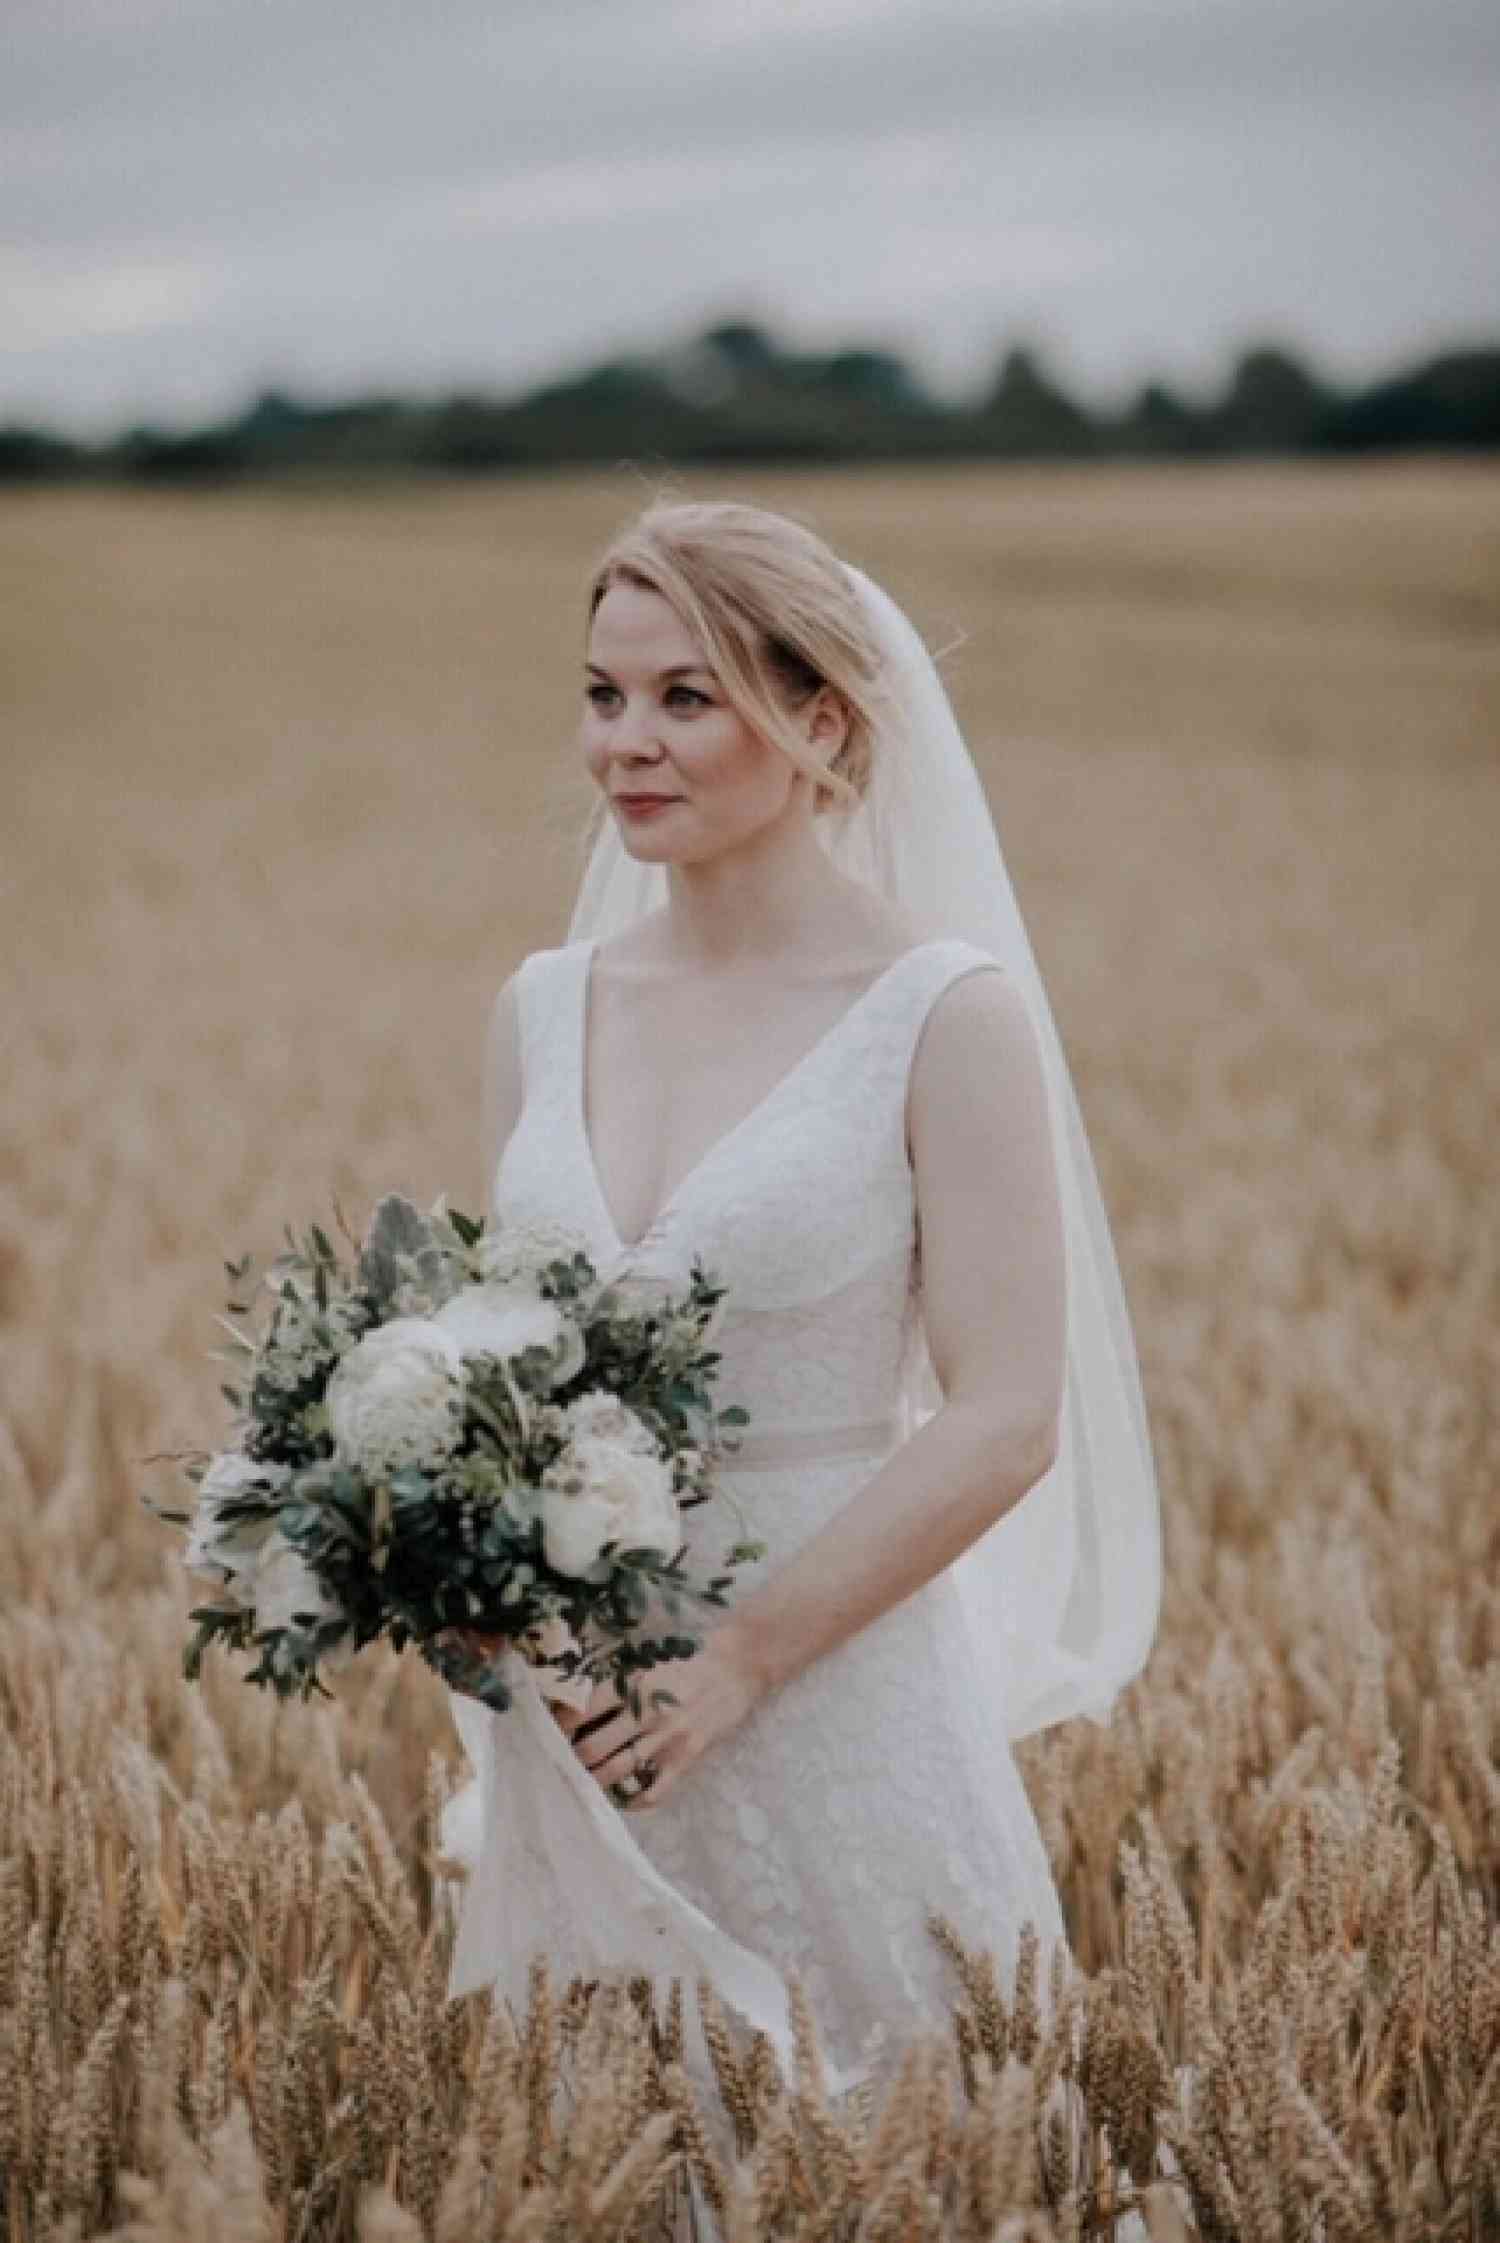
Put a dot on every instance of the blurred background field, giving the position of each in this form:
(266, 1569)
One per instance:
(289, 787)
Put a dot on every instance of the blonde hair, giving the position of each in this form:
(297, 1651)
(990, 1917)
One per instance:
(776, 614)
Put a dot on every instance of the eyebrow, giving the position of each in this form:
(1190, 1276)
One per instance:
(678, 670)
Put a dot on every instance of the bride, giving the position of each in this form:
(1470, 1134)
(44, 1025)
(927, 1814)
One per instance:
(797, 1032)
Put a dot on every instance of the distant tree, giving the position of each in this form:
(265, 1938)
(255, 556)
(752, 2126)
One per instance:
(468, 435)
(620, 381)
(31, 455)
(736, 393)
(746, 347)
(1161, 423)
(205, 455)
(876, 377)
(274, 413)
(1027, 415)
(1272, 404)
(1451, 402)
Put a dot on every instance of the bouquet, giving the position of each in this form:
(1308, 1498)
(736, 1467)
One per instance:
(458, 1430)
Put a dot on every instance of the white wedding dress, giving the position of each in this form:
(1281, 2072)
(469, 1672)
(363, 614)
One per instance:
(875, 1785)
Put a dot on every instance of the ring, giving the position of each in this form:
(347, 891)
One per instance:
(643, 1774)
(644, 1771)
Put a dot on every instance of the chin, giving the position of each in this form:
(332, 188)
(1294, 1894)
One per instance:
(646, 841)
(643, 845)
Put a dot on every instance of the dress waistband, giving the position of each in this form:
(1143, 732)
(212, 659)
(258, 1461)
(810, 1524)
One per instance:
(765, 1450)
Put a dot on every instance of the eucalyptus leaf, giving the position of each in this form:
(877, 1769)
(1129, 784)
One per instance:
(397, 1227)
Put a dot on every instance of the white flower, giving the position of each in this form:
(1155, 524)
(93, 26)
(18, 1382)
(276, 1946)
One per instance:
(501, 1319)
(636, 1292)
(396, 1398)
(600, 1491)
(519, 1250)
(602, 1416)
(286, 1587)
(231, 1548)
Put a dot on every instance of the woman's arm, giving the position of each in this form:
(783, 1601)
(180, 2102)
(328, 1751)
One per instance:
(994, 1288)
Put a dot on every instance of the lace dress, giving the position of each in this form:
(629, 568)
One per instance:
(874, 1785)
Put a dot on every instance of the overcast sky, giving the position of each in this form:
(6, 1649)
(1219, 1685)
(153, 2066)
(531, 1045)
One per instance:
(199, 198)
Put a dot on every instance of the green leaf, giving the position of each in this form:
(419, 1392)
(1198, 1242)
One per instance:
(397, 1229)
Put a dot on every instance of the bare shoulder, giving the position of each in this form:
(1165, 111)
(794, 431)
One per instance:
(977, 1037)
(989, 1211)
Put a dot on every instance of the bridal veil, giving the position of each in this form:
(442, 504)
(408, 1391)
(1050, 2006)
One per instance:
(1061, 1596)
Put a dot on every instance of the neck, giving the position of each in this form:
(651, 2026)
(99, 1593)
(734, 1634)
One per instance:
(777, 896)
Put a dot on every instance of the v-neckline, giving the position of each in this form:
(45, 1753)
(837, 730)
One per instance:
(735, 1130)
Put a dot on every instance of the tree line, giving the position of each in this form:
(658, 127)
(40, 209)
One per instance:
(735, 393)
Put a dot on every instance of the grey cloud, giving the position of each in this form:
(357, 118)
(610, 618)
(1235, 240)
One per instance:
(180, 123)
(200, 193)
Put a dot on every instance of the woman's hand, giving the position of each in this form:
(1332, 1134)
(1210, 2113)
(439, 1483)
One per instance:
(714, 1690)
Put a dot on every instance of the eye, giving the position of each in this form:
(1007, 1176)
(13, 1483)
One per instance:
(597, 694)
(686, 693)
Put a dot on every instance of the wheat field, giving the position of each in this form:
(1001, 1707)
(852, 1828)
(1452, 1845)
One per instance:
(288, 787)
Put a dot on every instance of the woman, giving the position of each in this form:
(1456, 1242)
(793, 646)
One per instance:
(797, 1032)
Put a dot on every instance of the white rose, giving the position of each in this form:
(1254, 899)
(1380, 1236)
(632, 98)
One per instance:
(518, 1250)
(231, 1548)
(286, 1585)
(396, 1398)
(598, 1492)
(501, 1319)
(602, 1416)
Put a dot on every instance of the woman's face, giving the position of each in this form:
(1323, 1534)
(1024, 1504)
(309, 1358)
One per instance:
(657, 721)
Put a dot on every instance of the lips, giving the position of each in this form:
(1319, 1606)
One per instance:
(639, 801)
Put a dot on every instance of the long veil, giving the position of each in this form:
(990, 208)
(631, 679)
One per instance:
(1062, 1595)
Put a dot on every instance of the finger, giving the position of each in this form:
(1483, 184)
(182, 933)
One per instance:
(656, 1791)
(603, 1704)
(624, 1761)
(595, 1744)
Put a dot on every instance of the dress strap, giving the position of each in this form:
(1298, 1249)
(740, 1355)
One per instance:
(543, 994)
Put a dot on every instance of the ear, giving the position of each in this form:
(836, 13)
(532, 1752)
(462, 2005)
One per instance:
(827, 721)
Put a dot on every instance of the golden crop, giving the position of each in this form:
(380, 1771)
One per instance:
(287, 786)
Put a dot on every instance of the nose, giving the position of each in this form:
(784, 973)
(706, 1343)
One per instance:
(633, 738)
